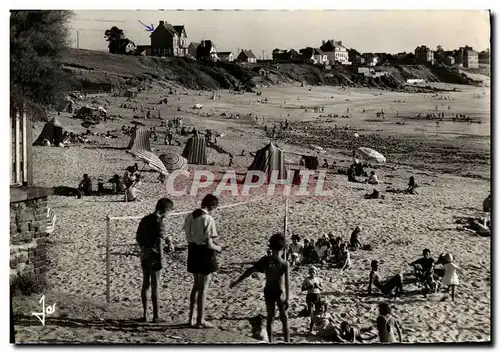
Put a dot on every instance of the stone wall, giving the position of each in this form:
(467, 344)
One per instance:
(28, 223)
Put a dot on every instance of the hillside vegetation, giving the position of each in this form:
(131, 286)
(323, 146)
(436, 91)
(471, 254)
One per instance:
(100, 70)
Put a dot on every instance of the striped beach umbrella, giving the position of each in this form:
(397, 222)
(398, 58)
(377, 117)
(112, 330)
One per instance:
(150, 159)
(174, 161)
(370, 155)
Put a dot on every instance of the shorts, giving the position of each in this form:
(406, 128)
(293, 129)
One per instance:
(150, 260)
(201, 259)
(313, 298)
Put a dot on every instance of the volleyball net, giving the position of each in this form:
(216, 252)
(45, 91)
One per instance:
(120, 228)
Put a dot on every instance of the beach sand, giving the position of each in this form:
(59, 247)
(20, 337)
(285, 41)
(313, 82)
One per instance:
(398, 227)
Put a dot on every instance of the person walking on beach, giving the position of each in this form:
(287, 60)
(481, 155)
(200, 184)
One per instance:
(150, 234)
(450, 277)
(200, 230)
(275, 290)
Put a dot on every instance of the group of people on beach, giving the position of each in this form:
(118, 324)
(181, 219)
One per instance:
(201, 234)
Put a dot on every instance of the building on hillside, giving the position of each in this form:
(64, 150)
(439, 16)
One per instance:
(285, 55)
(192, 49)
(471, 59)
(144, 50)
(121, 46)
(225, 56)
(449, 60)
(246, 56)
(307, 56)
(424, 55)
(355, 57)
(206, 51)
(169, 40)
(370, 59)
(320, 57)
(335, 52)
(484, 57)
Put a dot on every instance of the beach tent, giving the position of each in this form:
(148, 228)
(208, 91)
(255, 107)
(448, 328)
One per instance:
(52, 131)
(195, 150)
(140, 140)
(269, 159)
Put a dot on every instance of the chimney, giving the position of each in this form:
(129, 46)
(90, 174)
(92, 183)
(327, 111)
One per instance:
(323, 43)
(340, 42)
(162, 23)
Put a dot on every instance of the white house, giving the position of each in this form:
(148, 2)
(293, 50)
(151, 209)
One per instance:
(335, 52)
(320, 57)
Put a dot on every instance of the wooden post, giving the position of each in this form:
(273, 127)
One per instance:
(108, 267)
(285, 230)
(17, 150)
(29, 150)
(25, 152)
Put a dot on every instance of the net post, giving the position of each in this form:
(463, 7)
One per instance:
(108, 220)
(285, 230)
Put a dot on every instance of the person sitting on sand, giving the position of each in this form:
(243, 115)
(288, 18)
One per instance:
(344, 258)
(129, 177)
(295, 251)
(412, 185)
(308, 252)
(487, 204)
(321, 248)
(393, 286)
(351, 175)
(323, 323)
(351, 333)
(275, 290)
(373, 179)
(354, 241)
(85, 185)
(325, 163)
(387, 324)
(480, 227)
(149, 236)
(424, 269)
(313, 285)
(131, 191)
(374, 195)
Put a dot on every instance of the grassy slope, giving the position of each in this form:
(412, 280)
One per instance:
(92, 69)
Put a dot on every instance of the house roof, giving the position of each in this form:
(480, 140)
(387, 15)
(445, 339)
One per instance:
(318, 51)
(194, 44)
(224, 53)
(330, 45)
(172, 29)
(248, 54)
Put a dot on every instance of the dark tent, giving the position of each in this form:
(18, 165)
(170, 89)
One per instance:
(269, 159)
(195, 150)
(52, 131)
(140, 140)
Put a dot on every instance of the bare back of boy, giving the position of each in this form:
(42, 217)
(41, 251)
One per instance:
(274, 268)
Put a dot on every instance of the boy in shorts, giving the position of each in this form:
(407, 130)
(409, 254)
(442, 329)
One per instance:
(275, 294)
(312, 284)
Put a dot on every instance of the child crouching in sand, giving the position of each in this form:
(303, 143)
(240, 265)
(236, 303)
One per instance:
(275, 294)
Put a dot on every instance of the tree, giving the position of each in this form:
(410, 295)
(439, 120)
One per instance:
(115, 37)
(38, 40)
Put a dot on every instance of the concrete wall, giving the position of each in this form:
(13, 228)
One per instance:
(28, 223)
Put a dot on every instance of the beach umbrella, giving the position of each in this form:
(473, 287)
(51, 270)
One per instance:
(369, 154)
(150, 159)
(174, 161)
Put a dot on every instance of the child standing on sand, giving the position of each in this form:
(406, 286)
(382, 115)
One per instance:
(450, 277)
(275, 294)
(295, 250)
(313, 285)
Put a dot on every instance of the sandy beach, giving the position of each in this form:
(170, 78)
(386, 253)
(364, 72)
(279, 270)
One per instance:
(450, 163)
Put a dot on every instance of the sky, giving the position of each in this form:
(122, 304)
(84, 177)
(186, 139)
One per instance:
(389, 31)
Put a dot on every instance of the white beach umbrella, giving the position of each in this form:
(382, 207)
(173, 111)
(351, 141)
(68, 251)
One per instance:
(369, 154)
